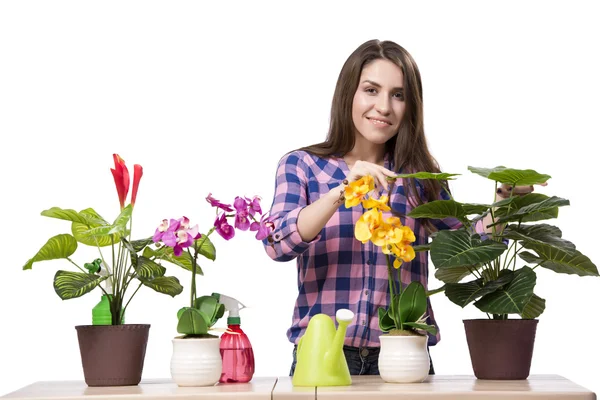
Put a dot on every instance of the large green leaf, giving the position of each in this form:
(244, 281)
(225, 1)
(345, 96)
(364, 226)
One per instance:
(427, 328)
(69, 215)
(146, 268)
(386, 323)
(439, 209)
(69, 285)
(531, 207)
(465, 293)
(120, 223)
(471, 208)
(139, 245)
(515, 177)
(565, 261)
(163, 284)
(458, 248)
(81, 231)
(455, 274)
(541, 233)
(440, 176)
(59, 246)
(192, 322)
(413, 302)
(206, 247)
(512, 298)
(534, 308)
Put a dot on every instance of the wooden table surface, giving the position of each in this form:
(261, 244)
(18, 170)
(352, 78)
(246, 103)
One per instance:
(280, 388)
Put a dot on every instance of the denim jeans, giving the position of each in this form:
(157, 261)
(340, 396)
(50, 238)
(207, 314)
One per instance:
(361, 361)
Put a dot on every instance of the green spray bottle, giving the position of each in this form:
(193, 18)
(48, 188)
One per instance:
(101, 314)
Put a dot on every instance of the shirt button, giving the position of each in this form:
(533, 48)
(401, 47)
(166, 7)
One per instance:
(364, 322)
(369, 262)
(366, 292)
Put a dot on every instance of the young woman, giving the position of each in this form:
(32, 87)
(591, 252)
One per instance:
(376, 129)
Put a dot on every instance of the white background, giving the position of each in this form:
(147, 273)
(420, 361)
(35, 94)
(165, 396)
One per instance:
(207, 98)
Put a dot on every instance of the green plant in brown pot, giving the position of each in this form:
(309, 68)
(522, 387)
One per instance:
(497, 271)
(112, 352)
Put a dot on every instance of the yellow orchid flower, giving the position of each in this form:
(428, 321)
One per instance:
(367, 224)
(357, 190)
(408, 236)
(380, 203)
(386, 235)
(403, 253)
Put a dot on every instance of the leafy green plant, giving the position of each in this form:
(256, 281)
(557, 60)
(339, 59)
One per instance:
(500, 287)
(123, 265)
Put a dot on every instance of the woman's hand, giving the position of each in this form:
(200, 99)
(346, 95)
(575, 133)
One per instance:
(505, 190)
(364, 168)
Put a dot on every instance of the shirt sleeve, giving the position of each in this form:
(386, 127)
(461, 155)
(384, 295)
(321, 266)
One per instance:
(290, 197)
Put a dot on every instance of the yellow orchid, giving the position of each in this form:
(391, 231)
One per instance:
(367, 224)
(386, 235)
(403, 253)
(380, 203)
(357, 190)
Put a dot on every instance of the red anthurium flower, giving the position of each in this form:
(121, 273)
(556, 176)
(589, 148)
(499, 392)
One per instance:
(138, 171)
(121, 175)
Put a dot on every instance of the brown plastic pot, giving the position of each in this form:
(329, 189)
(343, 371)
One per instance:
(501, 349)
(112, 355)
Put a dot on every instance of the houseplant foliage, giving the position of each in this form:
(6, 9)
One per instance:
(494, 266)
(122, 266)
(486, 270)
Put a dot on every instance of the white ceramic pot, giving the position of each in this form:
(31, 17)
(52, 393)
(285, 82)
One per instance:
(403, 359)
(196, 362)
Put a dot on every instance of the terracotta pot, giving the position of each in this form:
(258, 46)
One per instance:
(501, 349)
(112, 355)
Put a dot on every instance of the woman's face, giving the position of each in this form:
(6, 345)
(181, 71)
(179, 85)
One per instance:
(378, 105)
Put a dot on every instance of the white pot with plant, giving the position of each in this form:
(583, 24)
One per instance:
(197, 359)
(403, 356)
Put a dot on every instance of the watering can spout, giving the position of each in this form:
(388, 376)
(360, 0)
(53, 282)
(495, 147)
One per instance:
(343, 317)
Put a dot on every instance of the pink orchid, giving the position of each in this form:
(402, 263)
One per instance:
(216, 203)
(223, 228)
(254, 206)
(265, 227)
(241, 217)
(178, 234)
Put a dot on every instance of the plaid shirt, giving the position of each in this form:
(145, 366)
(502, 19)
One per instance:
(335, 270)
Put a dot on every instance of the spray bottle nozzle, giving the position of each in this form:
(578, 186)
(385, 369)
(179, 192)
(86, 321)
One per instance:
(233, 307)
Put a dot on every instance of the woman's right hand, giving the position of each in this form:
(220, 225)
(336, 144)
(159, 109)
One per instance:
(364, 168)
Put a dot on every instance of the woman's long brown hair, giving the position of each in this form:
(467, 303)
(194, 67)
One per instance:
(409, 147)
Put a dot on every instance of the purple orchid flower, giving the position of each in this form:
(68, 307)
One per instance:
(178, 234)
(241, 217)
(265, 227)
(223, 228)
(254, 206)
(216, 203)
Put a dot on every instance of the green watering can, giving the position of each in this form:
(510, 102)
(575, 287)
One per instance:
(320, 359)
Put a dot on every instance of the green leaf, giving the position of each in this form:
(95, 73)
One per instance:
(139, 245)
(470, 208)
(439, 209)
(534, 308)
(515, 177)
(211, 307)
(531, 207)
(57, 247)
(440, 176)
(413, 302)
(163, 284)
(543, 234)
(120, 224)
(386, 323)
(512, 298)
(191, 322)
(205, 247)
(166, 253)
(465, 293)
(424, 327)
(458, 248)
(69, 285)
(69, 215)
(455, 274)
(565, 261)
(147, 268)
(81, 231)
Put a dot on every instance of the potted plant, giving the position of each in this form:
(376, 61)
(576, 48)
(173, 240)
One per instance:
(112, 353)
(403, 356)
(500, 348)
(196, 359)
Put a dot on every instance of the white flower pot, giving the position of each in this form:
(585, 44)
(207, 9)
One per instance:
(196, 362)
(403, 359)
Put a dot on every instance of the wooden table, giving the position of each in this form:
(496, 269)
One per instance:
(368, 387)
